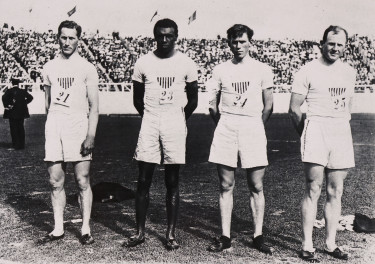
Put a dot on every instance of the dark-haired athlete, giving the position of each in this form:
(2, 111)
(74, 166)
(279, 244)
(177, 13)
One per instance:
(244, 88)
(163, 81)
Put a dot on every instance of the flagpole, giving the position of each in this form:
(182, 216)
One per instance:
(72, 11)
(156, 13)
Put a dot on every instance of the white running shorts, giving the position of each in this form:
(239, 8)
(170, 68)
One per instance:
(64, 135)
(328, 143)
(162, 138)
(239, 138)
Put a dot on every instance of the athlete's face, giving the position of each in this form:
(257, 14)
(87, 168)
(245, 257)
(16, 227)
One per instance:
(240, 46)
(68, 41)
(334, 46)
(165, 39)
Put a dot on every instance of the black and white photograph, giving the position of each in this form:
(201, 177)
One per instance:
(187, 131)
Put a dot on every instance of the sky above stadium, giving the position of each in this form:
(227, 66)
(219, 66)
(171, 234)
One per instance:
(275, 19)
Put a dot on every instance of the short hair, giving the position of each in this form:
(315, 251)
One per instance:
(335, 30)
(70, 24)
(166, 23)
(238, 30)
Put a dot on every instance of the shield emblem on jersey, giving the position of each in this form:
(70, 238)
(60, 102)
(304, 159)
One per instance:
(240, 87)
(65, 82)
(336, 91)
(165, 82)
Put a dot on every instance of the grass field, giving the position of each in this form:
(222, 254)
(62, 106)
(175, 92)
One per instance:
(26, 214)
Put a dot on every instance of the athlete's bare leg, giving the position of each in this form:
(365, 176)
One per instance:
(81, 171)
(314, 175)
(227, 182)
(332, 209)
(172, 198)
(142, 198)
(56, 171)
(255, 182)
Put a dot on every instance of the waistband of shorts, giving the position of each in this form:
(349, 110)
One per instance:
(163, 111)
(230, 115)
(241, 119)
(330, 120)
(60, 113)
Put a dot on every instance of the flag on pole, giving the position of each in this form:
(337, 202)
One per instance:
(71, 12)
(154, 16)
(192, 17)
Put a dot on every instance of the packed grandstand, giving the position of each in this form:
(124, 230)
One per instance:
(23, 54)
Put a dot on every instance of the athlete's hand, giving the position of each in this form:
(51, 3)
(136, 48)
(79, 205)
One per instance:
(87, 146)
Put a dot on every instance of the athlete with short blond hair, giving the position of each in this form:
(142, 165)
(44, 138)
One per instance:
(327, 86)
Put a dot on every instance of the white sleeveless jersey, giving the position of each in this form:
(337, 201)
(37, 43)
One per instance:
(328, 88)
(164, 80)
(241, 86)
(68, 79)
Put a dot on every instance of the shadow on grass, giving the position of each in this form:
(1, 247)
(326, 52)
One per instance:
(5, 145)
(31, 210)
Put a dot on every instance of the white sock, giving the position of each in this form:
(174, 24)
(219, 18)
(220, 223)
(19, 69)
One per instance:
(85, 230)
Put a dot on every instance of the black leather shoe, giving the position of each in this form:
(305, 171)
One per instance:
(49, 238)
(338, 253)
(87, 239)
(309, 256)
(258, 243)
(220, 244)
(134, 241)
(172, 244)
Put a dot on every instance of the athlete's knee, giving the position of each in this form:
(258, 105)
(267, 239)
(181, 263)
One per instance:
(256, 188)
(334, 192)
(143, 184)
(57, 184)
(313, 189)
(226, 186)
(171, 183)
(83, 182)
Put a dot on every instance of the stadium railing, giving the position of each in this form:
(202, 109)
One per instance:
(127, 87)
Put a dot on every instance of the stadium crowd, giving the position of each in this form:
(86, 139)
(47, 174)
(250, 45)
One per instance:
(23, 53)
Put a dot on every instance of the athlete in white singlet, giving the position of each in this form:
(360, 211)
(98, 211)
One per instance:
(327, 86)
(241, 104)
(165, 95)
(71, 85)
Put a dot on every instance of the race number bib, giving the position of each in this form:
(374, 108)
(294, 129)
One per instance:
(338, 98)
(339, 104)
(63, 98)
(166, 91)
(239, 100)
(166, 96)
(63, 94)
(241, 89)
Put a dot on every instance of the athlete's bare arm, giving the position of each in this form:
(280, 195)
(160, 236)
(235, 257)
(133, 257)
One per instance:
(47, 93)
(295, 113)
(267, 95)
(93, 99)
(214, 107)
(138, 94)
(192, 97)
